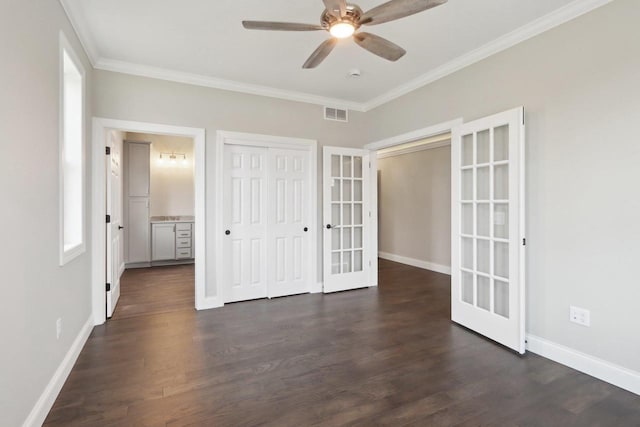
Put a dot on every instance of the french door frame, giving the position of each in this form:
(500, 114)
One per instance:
(405, 138)
(266, 141)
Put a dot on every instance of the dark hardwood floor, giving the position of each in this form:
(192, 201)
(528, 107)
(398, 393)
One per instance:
(155, 290)
(386, 356)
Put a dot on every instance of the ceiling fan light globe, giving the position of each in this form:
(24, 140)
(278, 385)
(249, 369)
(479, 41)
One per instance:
(342, 30)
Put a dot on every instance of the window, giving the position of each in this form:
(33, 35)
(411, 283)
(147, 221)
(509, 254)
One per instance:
(72, 218)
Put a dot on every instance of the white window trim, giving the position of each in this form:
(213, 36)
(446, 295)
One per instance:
(70, 253)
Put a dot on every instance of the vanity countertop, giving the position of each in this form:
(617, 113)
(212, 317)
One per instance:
(161, 219)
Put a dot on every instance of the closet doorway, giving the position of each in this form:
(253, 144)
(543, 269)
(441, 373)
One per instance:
(267, 216)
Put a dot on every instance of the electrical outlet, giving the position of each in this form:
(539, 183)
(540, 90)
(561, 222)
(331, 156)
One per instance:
(58, 328)
(581, 316)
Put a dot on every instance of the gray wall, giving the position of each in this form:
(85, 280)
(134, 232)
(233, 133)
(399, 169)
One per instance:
(172, 186)
(414, 205)
(35, 289)
(120, 96)
(580, 85)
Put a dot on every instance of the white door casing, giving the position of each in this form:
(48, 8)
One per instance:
(487, 227)
(100, 130)
(244, 218)
(115, 238)
(288, 226)
(347, 219)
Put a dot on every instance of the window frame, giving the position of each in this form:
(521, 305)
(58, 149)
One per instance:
(69, 254)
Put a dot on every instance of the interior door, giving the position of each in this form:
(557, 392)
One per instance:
(115, 253)
(487, 282)
(288, 228)
(244, 219)
(346, 212)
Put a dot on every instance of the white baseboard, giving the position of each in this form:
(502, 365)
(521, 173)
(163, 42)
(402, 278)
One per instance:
(598, 368)
(130, 265)
(438, 268)
(316, 288)
(42, 407)
(209, 302)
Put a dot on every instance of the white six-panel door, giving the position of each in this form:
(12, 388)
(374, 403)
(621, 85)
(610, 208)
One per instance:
(245, 222)
(266, 194)
(346, 212)
(487, 282)
(115, 238)
(288, 227)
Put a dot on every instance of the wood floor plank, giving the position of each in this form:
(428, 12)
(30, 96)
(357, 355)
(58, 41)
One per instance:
(380, 356)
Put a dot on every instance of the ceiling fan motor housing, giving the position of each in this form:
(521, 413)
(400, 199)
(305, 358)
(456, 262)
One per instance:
(352, 16)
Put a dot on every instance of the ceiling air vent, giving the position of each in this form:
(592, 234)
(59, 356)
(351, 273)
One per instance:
(335, 114)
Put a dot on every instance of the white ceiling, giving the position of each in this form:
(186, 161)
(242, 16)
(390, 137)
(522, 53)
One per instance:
(205, 39)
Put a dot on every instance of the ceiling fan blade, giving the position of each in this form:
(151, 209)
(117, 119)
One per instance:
(280, 26)
(320, 53)
(396, 9)
(379, 46)
(337, 8)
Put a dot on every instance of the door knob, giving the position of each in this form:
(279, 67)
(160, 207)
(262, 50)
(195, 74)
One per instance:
(120, 227)
(306, 229)
(329, 226)
(227, 232)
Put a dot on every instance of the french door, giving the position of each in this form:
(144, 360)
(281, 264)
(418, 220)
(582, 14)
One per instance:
(266, 214)
(487, 282)
(346, 212)
(115, 238)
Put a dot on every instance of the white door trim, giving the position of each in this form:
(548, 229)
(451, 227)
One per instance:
(98, 207)
(416, 135)
(269, 141)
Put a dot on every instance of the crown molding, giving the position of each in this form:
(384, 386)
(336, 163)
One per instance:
(82, 31)
(230, 85)
(532, 29)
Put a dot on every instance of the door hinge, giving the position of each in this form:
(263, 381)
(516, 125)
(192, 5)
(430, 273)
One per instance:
(108, 219)
(108, 287)
(107, 151)
(524, 242)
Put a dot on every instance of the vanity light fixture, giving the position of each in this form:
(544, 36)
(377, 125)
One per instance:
(173, 158)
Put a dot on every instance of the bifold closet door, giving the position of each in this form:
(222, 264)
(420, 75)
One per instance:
(288, 195)
(244, 217)
(266, 243)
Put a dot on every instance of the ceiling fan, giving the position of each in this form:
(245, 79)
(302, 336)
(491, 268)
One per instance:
(343, 20)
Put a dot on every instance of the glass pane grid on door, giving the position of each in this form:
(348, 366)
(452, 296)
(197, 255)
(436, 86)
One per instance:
(484, 225)
(347, 216)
